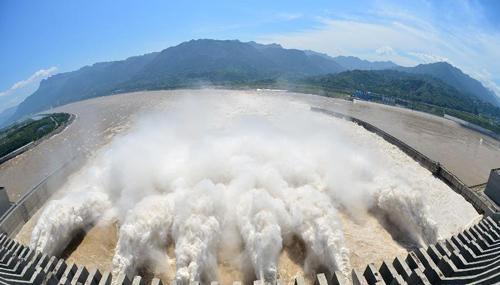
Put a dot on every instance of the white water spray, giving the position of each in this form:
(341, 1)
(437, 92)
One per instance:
(315, 220)
(407, 209)
(145, 232)
(258, 225)
(62, 218)
(283, 175)
(196, 228)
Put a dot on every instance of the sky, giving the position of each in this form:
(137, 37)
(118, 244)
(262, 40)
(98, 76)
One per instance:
(40, 38)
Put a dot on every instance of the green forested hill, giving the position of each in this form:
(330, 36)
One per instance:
(29, 131)
(184, 65)
(231, 62)
(456, 78)
(426, 93)
(412, 87)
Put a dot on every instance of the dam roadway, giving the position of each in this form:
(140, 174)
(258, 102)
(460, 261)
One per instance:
(100, 119)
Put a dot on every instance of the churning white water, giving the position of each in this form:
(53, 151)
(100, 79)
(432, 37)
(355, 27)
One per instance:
(63, 218)
(144, 234)
(250, 174)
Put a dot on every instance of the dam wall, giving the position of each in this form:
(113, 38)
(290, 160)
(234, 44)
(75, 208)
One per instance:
(491, 144)
(473, 127)
(21, 211)
(4, 201)
(482, 203)
(469, 257)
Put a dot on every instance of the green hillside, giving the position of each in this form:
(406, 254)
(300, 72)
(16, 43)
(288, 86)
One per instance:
(198, 63)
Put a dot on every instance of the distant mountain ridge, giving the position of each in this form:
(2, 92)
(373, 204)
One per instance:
(6, 114)
(189, 62)
(404, 85)
(218, 62)
(419, 91)
(456, 78)
(354, 63)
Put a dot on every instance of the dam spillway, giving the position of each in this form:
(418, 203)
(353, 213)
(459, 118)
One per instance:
(470, 257)
(349, 225)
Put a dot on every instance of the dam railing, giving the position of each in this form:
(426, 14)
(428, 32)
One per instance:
(479, 201)
(21, 211)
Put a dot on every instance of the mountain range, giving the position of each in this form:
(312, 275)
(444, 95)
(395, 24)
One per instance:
(224, 62)
(456, 78)
(6, 115)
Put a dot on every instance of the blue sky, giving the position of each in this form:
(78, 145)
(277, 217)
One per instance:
(40, 38)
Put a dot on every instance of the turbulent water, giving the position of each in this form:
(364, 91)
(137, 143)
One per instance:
(62, 219)
(241, 181)
(145, 233)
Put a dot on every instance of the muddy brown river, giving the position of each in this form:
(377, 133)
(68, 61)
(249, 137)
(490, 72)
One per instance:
(457, 148)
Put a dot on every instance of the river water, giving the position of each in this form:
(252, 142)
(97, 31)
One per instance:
(100, 119)
(457, 148)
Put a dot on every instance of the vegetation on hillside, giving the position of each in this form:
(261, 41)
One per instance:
(204, 63)
(21, 134)
(417, 92)
(456, 78)
(211, 62)
(422, 92)
(483, 122)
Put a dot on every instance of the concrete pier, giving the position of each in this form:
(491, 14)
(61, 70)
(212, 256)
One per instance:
(470, 257)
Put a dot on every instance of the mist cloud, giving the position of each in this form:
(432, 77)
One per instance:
(228, 167)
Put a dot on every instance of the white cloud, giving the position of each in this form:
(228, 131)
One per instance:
(22, 89)
(430, 58)
(386, 50)
(43, 73)
(486, 78)
(289, 16)
(418, 29)
(354, 37)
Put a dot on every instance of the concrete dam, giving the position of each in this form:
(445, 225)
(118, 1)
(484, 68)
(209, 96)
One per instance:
(251, 191)
(471, 257)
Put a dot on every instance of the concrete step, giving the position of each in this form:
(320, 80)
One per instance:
(358, 278)
(470, 257)
(388, 272)
(372, 275)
